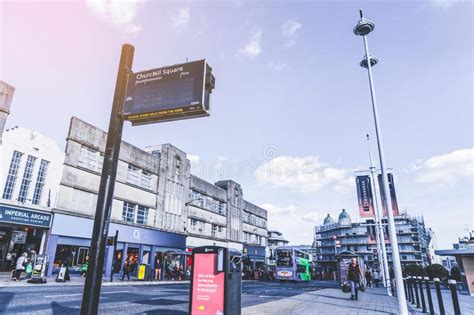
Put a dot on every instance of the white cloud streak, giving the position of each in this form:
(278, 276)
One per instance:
(301, 174)
(447, 168)
(180, 18)
(252, 48)
(290, 30)
(119, 13)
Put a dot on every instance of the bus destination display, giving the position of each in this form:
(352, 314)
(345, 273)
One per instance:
(170, 93)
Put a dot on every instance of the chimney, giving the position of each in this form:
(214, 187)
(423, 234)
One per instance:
(6, 95)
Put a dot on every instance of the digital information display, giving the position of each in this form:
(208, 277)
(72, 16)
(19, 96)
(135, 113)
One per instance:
(208, 286)
(169, 93)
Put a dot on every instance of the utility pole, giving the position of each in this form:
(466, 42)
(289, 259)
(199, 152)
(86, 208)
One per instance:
(91, 295)
(363, 28)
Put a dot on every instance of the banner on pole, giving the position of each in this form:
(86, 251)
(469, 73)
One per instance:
(393, 196)
(365, 197)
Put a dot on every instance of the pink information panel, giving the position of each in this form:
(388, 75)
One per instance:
(208, 286)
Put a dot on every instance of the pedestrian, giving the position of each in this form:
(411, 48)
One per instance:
(8, 261)
(376, 278)
(21, 262)
(368, 278)
(84, 267)
(158, 268)
(126, 270)
(353, 276)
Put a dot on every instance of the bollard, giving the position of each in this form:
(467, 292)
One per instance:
(409, 289)
(405, 285)
(454, 295)
(422, 296)
(439, 296)
(416, 293)
(428, 295)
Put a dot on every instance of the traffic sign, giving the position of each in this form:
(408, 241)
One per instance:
(170, 93)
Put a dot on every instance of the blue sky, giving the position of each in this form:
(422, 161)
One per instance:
(291, 106)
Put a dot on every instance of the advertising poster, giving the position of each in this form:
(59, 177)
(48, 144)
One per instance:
(364, 195)
(344, 268)
(208, 286)
(393, 195)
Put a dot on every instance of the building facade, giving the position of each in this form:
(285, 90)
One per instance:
(159, 210)
(359, 237)
(275, 239)
(30, 173)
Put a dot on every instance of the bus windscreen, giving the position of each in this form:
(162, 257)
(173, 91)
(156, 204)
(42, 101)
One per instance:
(284, 258)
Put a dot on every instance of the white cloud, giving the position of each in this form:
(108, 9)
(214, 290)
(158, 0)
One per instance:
(278, 66)
(118, 12)
(290, 30)
(301, 174)
(180, 18)
(275, 210)
(252, 48)
(314, 217)
(193, 158)
(447, 168)
(444, 3)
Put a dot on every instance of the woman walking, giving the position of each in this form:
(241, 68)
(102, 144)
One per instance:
(354, 275)
(21, 262)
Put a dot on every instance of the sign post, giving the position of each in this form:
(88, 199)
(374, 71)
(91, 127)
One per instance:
(90, 299)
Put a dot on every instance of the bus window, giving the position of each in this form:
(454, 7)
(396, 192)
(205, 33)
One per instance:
(284, 258)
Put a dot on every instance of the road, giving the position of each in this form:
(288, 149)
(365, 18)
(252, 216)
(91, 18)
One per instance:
(165, 299)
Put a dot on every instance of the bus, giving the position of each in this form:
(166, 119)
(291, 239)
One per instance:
(292, 264)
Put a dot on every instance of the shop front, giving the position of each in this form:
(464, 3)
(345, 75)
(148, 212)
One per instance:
(253, 261)
(69, 244)
(21, 230)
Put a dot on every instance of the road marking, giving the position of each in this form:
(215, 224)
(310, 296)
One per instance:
(62, 295)
(112, 292)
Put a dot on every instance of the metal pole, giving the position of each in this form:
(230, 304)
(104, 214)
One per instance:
(90, 299)
(402, 303)
(454, 296)
(416, 293)
(113, 256)
(378, 221)
(428, 295)
(439, 295)
(422, 295)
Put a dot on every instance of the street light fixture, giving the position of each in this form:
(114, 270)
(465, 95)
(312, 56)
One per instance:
(363, 28)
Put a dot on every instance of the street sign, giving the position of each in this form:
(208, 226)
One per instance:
(175, 92)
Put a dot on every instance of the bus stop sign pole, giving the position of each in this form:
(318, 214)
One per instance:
(91, 295)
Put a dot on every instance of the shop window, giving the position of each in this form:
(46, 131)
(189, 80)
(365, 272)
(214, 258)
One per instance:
(12, 175)
(72, 256)
(40, 182)
(27, 175)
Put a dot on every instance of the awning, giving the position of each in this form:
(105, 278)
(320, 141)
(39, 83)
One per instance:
(177, 252)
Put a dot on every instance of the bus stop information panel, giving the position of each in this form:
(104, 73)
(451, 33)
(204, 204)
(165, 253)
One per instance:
(208, 284)
(170, 93)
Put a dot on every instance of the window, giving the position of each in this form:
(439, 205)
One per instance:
(27, 174)
(128, 212)
(213, 230)
(194, 222)
(142, 215)
(90, 159)
(40, 182)
(134, 213)
(12, 175)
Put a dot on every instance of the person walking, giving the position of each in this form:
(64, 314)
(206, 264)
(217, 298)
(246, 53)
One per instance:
(126, 270)
(376, 278)
(84, 267)
(21, 262)
(158, 268)
(353, 276)
(8, 261)
(368, 278)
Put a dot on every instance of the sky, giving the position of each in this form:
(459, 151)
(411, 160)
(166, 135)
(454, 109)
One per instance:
(291, 107)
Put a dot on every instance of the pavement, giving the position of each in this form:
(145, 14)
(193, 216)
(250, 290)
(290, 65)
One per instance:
(171, 298)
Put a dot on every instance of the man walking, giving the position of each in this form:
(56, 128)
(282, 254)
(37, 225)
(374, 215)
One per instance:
(354, 275)
(20, 265)
(126, 270)
(376, 278)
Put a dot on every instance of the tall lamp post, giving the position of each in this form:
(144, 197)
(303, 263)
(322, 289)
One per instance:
(382, 251)
(363, 28)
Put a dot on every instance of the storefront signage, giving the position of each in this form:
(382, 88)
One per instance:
(208, 284)
(24, 216)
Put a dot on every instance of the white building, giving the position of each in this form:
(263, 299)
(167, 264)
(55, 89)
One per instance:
(275, 239)
(30, 172)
